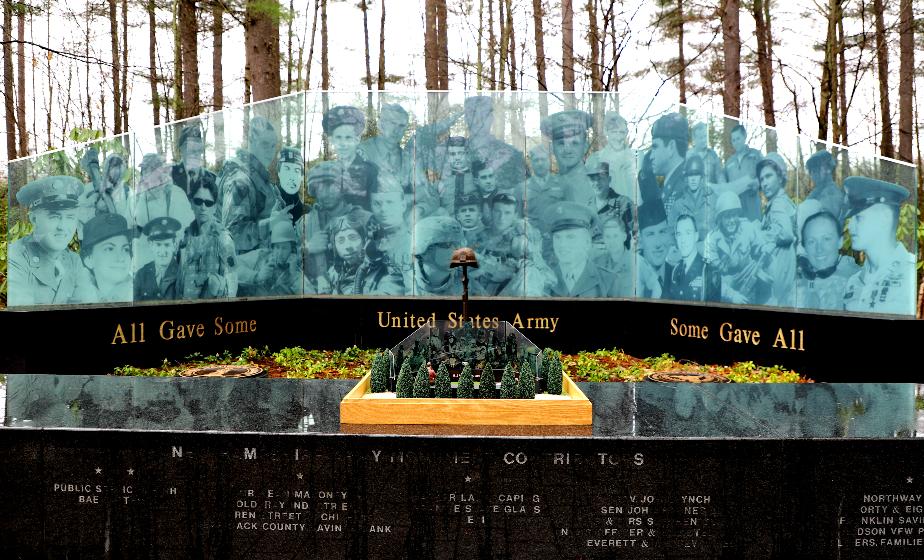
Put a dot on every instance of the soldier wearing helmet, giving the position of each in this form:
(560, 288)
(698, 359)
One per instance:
(278, 269)
(732, 247)
(347, 236)
(435, 239)
(694, 199)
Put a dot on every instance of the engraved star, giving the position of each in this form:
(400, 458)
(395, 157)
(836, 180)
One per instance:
(300, 476)
(910, 480)
(131, 472)
(99, 470)
(468, 479)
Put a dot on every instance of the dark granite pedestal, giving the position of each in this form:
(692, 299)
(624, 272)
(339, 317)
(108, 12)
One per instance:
(151, 468)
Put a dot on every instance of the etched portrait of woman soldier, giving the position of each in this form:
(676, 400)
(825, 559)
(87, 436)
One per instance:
(207, 258)
(886, 283)
(777, 256)
(821, 270)
(343, 126)
(41, 268)
(106, 251)
(731, 248)
(692, 278)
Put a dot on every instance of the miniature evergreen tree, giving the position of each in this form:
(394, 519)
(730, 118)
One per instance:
(405, 384)
(379, 381)
(443, 388)
(527, 380)
(486, 387)
(422, 382)
(466, 387)
(508, 387)
(553, 381)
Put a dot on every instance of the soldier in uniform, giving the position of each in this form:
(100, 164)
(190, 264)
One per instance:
(821, 271)
(617, 155)
(291, 172)
(778, 231)
(571, 226)
(278, 270)
(502, 250)
(820, 167)
(190, 173)
(741, 174)
(157, 280)
(691, 279)
(712, 165)
(458, 180)
(617, 256)
(348, 239)
(435, 239)
(886, 282)
(106, 251)
(608, 201)
(669, 138)
(384, 150)
(246, 190)
(655, 241)
(507, 162)
(343, 125)
(468, 214)
(731, 247)
(695, 199)
(537, 187)
(107, 191)
(388, 268)
(567, 130)
(207, 257)
(41, 268)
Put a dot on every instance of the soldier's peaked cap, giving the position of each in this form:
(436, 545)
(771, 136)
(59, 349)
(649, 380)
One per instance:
(863, 192)
(566, 123)
(55, 192)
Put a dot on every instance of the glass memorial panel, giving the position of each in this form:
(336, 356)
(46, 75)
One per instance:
(69, 225)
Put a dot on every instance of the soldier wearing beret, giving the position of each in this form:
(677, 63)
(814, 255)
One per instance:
(245, 188)
(822, 271)
(343, 126)
(507, 162)
(617, 154)
(157, 280)
(208, 257)
(41, 269)
(291, 172)
(384, 150)
(655, 241)
(435, 239)
(886, 283)
(571, 226)
(669, 139)
(106, 250)
(567, 131)
(820, 167)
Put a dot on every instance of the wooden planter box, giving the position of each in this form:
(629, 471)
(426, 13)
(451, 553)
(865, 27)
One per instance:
(574, 411)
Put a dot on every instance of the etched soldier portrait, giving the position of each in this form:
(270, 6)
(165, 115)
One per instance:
(655, 241)
(388, 268)
(277, 271)
(821, 270)
(106, 251)
(712, 164)
(41, 267)
(571, 226)
(669, 138)
(347, 236)
(507, 162)
(695, 199)
(108, 189)
(343, 126)
(190, 171)
(741, 173)
(777, 252)
(617, 155)
(435, 239)
(157, 196)
(731, 247)
(208, 257)
(692, 278)
(157, 280)
(886, 282)
(820, 167)
(290, 169)
(384, 150)
(617, 256)
(501, 249)
(567, 132)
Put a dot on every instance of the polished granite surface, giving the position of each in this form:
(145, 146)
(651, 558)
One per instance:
(645, 410)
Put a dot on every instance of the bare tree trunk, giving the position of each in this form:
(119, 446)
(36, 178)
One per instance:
(442, 38)
(314, 28)
(8, 85)
(504, 43)
(887, 148)
(593, 41)
(178, 66)
(906, 80)
(681, 59)
(567, 45)
(431, 48)
(21, 81)
(842, 80)
(764, 60)
(189, 46)
(325, 73)
(218, 83)
(150, 7)
(365, 9)
(828, 102)
(382, 76)
(512, 49)
(539, 36)
(116, 69)
(86, 52)
(125, 65)
(261, 39)
(731, 48)
(492, 46)
(480, 77)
